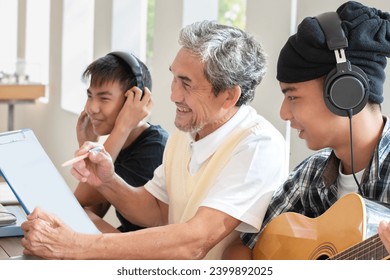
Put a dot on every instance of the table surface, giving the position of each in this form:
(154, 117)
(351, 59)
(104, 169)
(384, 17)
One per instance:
(21, 91)
(10, 247)
(12, 94)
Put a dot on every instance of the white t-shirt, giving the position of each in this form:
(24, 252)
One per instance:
(245, 185)
(346, 183)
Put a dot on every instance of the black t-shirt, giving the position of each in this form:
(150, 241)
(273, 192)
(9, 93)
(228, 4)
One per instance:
(136, 163)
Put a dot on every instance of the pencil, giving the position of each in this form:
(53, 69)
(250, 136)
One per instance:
(76, 159)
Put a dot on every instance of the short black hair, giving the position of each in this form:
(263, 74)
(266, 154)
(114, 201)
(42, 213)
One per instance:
(110, 69)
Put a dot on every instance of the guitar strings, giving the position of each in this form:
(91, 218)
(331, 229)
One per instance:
(364, 250)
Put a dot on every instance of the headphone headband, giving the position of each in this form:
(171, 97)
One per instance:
(133, 65)
(331, 26)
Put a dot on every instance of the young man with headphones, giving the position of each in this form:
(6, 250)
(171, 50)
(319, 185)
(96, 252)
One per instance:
(331, 73)
(113, 108)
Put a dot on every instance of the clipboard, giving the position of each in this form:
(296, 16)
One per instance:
(36, 182)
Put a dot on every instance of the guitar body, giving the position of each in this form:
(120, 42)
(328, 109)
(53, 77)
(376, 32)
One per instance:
(294, 236)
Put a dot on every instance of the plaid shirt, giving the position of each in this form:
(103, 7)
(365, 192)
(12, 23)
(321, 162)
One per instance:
(311, 187)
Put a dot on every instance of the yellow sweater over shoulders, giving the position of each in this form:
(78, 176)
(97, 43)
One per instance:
(186, 191)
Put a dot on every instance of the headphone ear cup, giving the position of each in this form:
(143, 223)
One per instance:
(345, 91)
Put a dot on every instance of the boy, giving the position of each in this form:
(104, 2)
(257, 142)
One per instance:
(114, 107)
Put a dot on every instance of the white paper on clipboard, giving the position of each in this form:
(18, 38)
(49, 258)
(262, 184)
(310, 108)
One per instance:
(36, 182)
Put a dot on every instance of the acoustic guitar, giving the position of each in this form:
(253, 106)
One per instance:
(347, 230)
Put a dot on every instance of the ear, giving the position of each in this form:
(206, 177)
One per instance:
(232, 96)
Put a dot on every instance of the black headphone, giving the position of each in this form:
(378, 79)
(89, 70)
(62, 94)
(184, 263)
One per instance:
(133, 65)
(346, 86)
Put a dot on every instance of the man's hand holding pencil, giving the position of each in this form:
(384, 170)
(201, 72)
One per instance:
(92, 165)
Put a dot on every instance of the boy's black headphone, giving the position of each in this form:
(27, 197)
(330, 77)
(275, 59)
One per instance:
(346, 86)
(133, 65)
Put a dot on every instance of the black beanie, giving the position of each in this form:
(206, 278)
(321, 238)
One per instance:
(306, 56)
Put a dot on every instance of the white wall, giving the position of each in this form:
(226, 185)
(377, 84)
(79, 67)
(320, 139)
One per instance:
(268, 20)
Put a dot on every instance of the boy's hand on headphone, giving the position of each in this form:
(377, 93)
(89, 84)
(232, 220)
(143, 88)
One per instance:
(136, 108)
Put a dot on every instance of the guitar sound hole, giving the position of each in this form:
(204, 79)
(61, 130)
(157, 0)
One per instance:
(323, 257)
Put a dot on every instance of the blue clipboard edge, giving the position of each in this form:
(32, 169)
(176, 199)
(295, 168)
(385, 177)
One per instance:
(16, 195)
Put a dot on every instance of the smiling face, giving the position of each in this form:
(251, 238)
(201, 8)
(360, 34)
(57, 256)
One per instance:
(198, 110)
(305, 107)
(103, 106)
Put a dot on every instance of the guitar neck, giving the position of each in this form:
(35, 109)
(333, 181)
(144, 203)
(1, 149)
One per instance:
(370, 249)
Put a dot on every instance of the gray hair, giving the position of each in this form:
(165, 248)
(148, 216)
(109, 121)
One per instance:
(231, 56)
